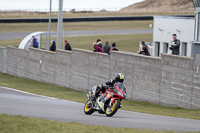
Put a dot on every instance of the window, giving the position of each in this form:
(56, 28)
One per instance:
(184, 49)
(157, 48)
(165, 47)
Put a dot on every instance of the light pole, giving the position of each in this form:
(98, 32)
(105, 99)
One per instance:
(49, 25)
(59, 28)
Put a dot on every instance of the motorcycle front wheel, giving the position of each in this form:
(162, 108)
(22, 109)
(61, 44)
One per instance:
(110, 111)
(88, 110)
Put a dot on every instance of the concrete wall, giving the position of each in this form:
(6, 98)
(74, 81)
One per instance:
(169, 80)
(196, 84)
(142, 75)
(1, 59)
(176, 81)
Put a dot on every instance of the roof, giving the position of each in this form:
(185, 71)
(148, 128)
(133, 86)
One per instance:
(192, 17)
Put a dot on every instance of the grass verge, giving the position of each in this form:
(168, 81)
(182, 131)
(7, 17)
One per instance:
(19, 124)
(80, 96)
(71, 26)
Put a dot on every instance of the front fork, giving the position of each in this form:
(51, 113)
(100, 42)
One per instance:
(112, 100)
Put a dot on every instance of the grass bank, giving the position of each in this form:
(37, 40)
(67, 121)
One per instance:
(19, 124)
(80, 96)
(29, 14)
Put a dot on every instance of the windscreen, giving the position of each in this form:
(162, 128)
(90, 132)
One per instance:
(120, 85)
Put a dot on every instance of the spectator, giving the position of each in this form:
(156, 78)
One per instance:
(67, 46)
(35, 42)
(106, 48)
(99, 43)
(53, 46)
(97, 48)
(144, 50)
(175, 45)
(114, 47)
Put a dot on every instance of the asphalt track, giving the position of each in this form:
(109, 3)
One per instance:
(21, 35)
(14, 102)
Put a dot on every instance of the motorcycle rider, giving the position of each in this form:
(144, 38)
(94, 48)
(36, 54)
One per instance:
(118, 81)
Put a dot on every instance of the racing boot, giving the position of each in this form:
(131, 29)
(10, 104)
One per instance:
(98, 91)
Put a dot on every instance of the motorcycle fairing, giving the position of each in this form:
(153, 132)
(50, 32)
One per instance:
(109, 95)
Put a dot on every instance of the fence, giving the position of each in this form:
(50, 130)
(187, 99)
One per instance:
(116, 10)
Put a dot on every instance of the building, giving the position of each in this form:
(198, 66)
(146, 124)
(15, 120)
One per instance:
(186, 28)
(165, 26)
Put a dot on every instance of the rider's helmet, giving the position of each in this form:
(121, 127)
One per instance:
(119, 77)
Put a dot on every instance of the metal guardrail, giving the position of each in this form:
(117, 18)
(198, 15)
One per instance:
(82, 19)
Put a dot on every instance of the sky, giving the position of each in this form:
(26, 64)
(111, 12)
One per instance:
(67, 4)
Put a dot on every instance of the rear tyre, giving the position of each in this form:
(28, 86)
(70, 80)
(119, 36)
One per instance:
(110, 111)
(88, 110)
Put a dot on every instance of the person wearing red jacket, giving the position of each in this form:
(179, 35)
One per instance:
(97, 48)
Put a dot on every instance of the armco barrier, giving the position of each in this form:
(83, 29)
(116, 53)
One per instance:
(83, 19)
(170, 80)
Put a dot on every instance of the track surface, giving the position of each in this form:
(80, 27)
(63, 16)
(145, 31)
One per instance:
(21, 35)
(14, 102)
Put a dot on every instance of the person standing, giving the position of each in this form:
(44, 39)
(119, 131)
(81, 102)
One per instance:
(35, 42)
(144, 50)
(114, 47)
(67, 46)
(53, 46)
(175, 45)
(106, 48)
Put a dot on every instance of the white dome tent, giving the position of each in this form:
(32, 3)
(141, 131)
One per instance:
(27, 41)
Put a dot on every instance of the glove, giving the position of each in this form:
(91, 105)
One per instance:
(99, 86)
(112, 87)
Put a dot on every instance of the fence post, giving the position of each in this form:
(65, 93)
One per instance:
(4, 60)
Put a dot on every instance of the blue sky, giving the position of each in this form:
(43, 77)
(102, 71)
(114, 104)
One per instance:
(67, 4)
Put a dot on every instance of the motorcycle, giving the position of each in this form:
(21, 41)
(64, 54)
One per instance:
(107, 103)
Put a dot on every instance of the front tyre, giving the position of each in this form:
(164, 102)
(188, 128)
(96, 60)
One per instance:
(110, 111)
(88, 110)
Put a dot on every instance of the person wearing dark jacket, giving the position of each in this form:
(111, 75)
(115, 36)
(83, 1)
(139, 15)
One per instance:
(35, 42)
(114, 47)
(175, 45)
(53, 46)
(106, 48)
(144, 49)
(67, 46)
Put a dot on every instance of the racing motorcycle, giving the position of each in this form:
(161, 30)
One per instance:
(107, 103)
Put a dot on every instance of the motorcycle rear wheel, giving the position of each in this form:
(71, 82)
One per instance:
(88, 110)
(110, 111)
